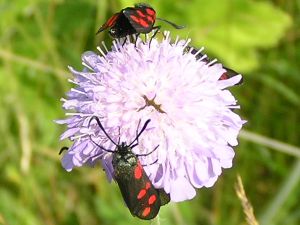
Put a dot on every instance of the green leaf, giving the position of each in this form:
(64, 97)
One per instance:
(234, 30)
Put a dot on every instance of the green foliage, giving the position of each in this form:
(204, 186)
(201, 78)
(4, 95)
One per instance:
(39, 38)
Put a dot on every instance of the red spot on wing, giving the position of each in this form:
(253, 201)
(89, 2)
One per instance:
(148, 185)
(135, 18)
(109, 23)
(141, 194)
(151, 19)
(150, 12)
(143, 23)
(151, 199)
(138, 171)
(112, 20)
(139, 21)
(140, 13)
(146, 211)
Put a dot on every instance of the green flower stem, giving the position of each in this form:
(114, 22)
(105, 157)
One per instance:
(271, 143)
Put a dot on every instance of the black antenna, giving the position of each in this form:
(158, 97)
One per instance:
(107, 150)
(172, 24)
(142, 130)
(102, 128)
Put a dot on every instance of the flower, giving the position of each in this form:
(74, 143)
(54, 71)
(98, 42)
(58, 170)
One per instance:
(191, 112)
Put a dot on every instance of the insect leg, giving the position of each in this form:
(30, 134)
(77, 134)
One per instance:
(146, 154)
(151, 163)
(136, 38)
(124, 41)
(119, 136)
(157, 28)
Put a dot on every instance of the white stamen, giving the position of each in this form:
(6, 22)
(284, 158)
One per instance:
(176, 40)
(79, 114)
(104, 45)
(212, 62)
(199, 51)
(186, 43)
(73, 81)
(167, 35)
(116, 45)
(78, 136)
(102, 53)
(80, 92)
(87, 66)
(203, 57)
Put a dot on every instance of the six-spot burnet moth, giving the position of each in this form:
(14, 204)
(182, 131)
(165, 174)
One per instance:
(140, 196)
(139, 19)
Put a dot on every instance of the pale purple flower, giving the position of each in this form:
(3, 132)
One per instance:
(191, 112)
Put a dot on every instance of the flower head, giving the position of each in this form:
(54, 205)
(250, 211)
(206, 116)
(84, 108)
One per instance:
(192, 118)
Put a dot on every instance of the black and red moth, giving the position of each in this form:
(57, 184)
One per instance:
(139, 19)
(229, 72)
(140, 196)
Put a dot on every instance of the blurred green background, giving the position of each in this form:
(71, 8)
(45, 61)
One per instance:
(40, 38)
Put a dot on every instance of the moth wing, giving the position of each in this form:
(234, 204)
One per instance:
(164, 197)
(109, 23)
(140, 195)
(141, 19)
